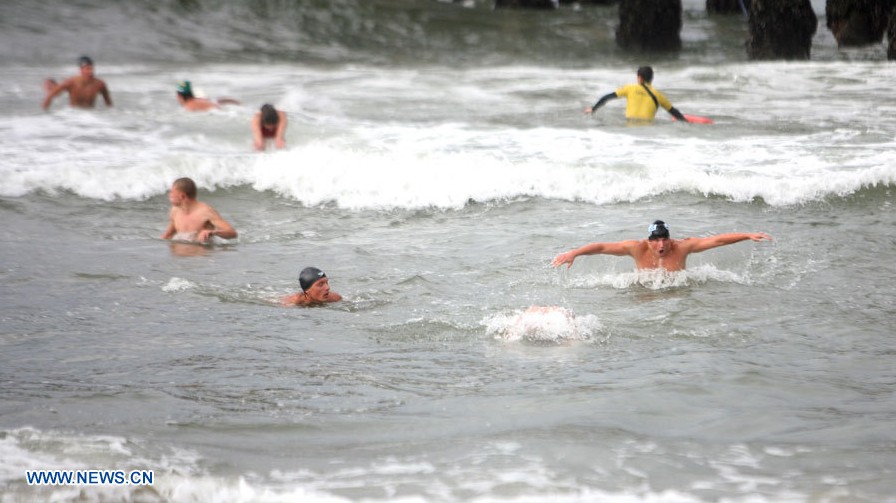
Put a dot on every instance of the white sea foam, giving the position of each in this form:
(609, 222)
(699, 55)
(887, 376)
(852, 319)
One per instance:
(658, 279)
(543, 324)
(178, 285)
(373, 138)
(179, 476)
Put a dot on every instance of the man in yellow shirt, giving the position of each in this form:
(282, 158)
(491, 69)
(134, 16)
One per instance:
(643, 100)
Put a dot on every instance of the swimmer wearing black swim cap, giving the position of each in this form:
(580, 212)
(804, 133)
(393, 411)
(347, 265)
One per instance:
(659, 250)
(657, 230)
(309, 276)
(315, 289)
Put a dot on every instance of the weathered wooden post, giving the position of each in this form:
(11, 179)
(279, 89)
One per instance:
(781, 29)
(649, 25)
(858, 22)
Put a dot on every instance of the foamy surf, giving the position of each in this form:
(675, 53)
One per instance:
(543, 325)
(658, 279)
(357, 139)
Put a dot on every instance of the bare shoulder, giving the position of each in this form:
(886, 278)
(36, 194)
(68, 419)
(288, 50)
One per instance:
(206, 208)
(67, 83)
(634, 244)
(293, 300)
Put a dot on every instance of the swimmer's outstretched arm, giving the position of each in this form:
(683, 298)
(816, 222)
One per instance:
(617, 248)
(697, 245)
(601, 102)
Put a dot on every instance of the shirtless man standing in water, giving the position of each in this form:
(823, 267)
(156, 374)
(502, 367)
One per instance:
(82, 89)
(191, 220)
(658, 251)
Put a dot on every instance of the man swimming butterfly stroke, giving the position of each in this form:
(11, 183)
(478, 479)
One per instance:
(659, 250)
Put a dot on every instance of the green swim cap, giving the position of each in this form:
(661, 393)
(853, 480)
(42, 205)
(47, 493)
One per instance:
(183, 87)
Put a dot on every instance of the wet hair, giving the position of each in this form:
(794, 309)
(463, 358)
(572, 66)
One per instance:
(269, 114)
(646, 73)
(309, 276)
(85, 61)
(187, 186)
(658, 230)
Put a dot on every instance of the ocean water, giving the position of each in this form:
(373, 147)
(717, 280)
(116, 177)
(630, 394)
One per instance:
(437, 160)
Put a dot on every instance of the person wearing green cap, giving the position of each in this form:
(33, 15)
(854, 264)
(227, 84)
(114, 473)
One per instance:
(82, 89)
(190, 102)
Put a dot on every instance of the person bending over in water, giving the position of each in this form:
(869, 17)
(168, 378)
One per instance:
(643, 101)
(315, 289)
(190, 102)
(268, 124)
(191, 220)
(82, 89)
(658, 251)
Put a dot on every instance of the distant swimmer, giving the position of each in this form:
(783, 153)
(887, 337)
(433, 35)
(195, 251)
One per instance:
(268, 124)
(82, 89)
(193, 103)
(191, 220)
(643, 101)
(315, 289)
(658, 251)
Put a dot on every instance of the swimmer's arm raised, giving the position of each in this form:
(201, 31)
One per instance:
(66, 84)
(617, 248)
(697, 245)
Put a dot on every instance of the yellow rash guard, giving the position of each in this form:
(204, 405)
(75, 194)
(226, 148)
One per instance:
(639, 104)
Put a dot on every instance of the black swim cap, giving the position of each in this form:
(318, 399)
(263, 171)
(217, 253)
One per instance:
(658, 230)
(85, 61)
(309, 276)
